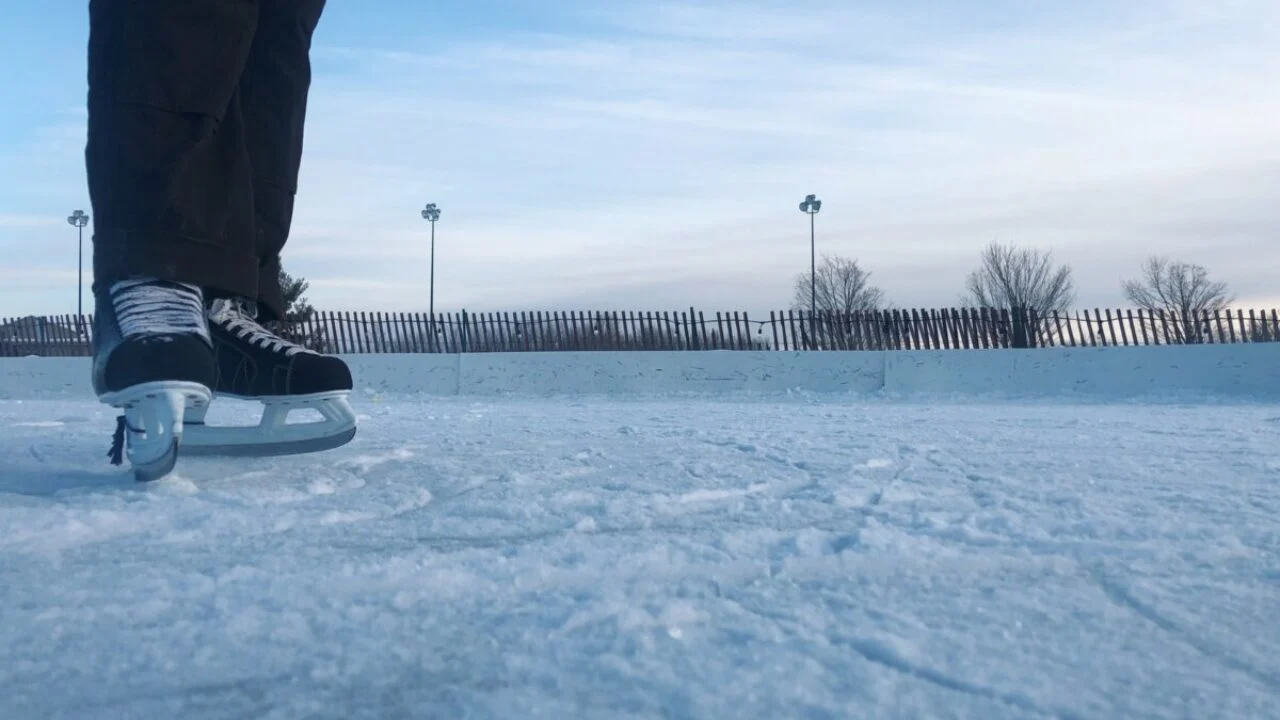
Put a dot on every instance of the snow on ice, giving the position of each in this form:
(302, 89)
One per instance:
(731, 557)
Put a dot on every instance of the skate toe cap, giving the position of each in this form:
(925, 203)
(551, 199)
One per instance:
(311, 374)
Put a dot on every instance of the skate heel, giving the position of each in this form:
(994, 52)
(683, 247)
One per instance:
(150, 430)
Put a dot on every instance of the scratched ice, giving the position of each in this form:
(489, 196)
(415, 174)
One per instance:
(761, 557)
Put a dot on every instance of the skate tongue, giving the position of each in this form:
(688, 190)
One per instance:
(222, 309)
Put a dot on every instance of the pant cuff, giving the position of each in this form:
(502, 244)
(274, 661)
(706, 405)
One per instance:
(120, 254)
(270, 295)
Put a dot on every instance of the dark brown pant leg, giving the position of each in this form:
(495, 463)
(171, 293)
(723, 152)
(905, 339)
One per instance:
(273, 91)
(168, 171)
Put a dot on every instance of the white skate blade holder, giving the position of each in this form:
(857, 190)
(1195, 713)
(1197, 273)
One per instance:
(152, 430)
(274, 434)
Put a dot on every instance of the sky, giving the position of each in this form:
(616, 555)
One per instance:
(639, 155)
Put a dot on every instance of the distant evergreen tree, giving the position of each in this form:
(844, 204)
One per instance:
(299, 320)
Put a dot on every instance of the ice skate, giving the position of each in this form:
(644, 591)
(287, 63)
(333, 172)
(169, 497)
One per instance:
(255, 364)
(152, 358)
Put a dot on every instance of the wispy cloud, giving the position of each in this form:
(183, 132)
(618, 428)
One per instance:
(680, 141)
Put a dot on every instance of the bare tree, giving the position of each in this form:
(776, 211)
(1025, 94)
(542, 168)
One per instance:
(1181, 290)
(842, 288)
(1012, 277)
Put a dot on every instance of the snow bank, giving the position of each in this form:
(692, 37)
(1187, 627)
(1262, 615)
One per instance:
(1241, 371)
(35, 377)
(1244, 370)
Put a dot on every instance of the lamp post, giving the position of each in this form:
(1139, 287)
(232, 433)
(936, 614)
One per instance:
(812, 205)
(431, 214)
(79, 220)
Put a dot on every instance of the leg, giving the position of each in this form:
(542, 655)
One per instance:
(169, 174)
(253, 362)
(274, 91)
(170, 187)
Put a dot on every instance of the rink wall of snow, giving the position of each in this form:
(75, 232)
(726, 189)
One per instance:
(1249, 371)
(1240, 370)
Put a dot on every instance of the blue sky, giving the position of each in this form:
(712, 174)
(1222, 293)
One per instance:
(629, 155)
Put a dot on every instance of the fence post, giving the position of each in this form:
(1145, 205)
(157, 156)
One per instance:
(466, 331)
(1019, 339)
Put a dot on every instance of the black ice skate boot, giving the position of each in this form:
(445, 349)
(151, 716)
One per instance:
(256, 364)
(152, 357)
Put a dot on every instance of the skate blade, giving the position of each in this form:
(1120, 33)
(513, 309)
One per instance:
(148, 472)
(274, 435)
(153, 427)
(269, 449)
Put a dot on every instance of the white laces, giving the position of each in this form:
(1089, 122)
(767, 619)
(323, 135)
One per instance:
(236, 318)
(147, 306)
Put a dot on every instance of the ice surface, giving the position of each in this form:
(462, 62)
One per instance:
(721, 558)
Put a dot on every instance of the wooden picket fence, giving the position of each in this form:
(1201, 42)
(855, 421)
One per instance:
(49, 336)
(693, 330)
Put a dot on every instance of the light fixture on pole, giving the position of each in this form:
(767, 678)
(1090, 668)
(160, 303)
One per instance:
(431, 214)
(79, 220)
(812, 205)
